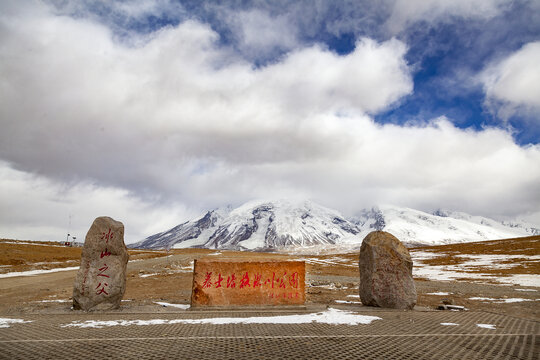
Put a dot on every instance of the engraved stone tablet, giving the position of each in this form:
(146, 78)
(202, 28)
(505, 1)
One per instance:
(236, 283)
(101, 280)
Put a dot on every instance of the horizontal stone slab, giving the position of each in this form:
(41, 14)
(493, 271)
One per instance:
(227, 282)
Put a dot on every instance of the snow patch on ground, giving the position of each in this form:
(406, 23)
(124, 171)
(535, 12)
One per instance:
(330, 286)
(440, 293)
(329, 262)
(148, 275)
(475, 267)
(500, 301)
(445, 273)
(486, 326)
(454, 272)
(52, 262)
(347, 302)
(5, 322)
(330, 316)
(418, 255)
(36, 272)
(521, 279)
(181, 270)
(179, 306)
(495, 261)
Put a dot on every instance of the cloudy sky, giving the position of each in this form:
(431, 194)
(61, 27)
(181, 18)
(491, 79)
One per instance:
(153, 111)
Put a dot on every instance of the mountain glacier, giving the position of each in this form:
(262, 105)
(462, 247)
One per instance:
(258, 225)
(415, 227)
(288, 226)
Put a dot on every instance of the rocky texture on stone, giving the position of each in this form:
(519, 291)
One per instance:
(386, 272)
(101, 280)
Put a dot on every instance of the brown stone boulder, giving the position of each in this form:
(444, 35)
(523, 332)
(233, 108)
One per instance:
(101, 280)
(386, 272)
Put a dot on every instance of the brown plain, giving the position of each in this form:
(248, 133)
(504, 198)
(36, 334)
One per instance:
(154, 276)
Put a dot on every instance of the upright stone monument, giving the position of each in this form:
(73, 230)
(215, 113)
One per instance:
(386, 272)
(101, 280)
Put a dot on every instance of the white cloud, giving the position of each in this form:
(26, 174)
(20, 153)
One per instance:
(406, 12)
(140, 8)
(512, 84)
(154, 133)
(36, 208)
(69, 90)
(260, 36)
(318, 81)
(434, 166)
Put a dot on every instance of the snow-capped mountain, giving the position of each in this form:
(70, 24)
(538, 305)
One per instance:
(258, 225)
(441, 227)
(284, 226)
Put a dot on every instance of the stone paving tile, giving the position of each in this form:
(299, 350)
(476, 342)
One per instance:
(399, 335)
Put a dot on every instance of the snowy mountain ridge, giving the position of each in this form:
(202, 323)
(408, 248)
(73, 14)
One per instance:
(442, 227)
(285, 225)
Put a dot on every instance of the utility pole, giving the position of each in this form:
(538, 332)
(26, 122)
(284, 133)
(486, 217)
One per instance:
(69, 228)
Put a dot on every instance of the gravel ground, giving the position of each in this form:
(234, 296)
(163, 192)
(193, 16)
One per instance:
(168, 277)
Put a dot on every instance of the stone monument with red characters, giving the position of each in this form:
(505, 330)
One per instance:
(101, 280)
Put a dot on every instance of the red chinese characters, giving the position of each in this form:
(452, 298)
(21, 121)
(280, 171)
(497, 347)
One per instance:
(293, 280)
(85, 276)
(257, 280)
(277, 281)
(282, 281)
(107, 236)
(102, 287)
(234, 282)
(219, 280)
(104, 253)
(102, 270)
(245, 281)
(231, 281)
(268, 281)
(207, 282)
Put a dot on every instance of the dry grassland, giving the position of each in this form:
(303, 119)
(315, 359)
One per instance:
(157, 275)
(514, 256)
(16, 255)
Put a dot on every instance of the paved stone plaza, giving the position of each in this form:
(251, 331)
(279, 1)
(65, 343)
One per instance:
(397, 335)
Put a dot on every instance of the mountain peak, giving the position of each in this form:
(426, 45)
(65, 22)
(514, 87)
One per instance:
(259, 225)
(273, 225)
